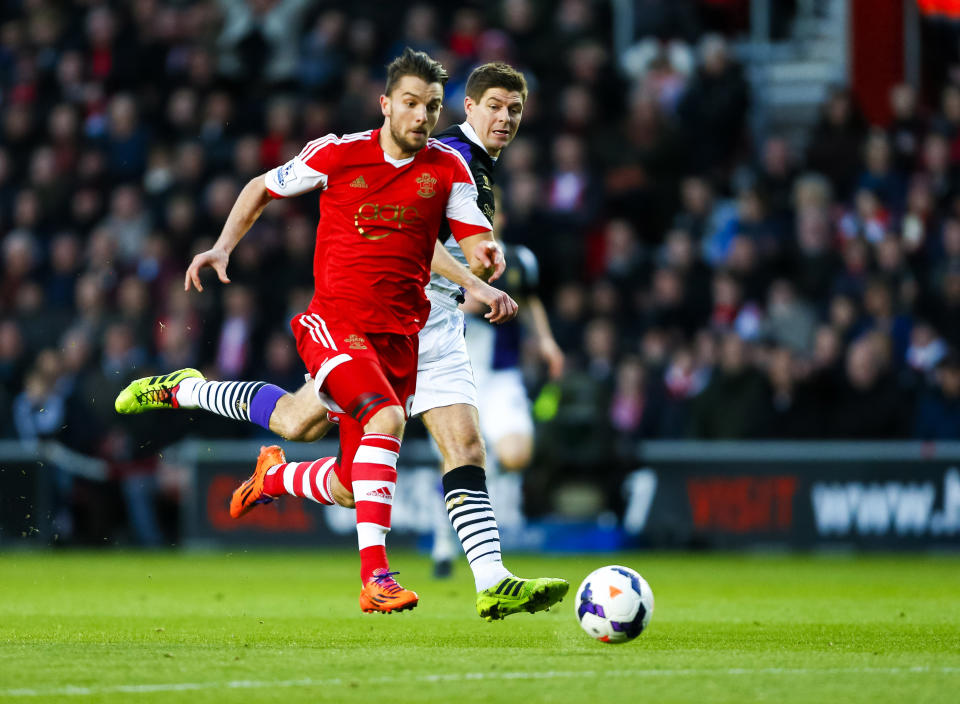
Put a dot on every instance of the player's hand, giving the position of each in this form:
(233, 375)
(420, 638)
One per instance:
(490, 256)
(216, 259)
(502, 307)
(551, 353)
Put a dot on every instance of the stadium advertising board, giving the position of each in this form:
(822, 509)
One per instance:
(826, 494)
(791, 495)
(219, 467)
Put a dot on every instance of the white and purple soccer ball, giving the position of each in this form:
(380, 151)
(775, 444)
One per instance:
(614, 604)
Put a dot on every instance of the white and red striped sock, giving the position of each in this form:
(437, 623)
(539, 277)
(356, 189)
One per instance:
(308, 480)
(374, 484)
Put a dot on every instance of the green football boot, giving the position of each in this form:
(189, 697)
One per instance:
(152, 392)
(513, 595)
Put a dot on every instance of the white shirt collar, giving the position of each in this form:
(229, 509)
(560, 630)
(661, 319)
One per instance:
(471, 134)
(397, 162)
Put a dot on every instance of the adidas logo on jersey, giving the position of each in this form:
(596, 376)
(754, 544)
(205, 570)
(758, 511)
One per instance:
(358, 182)
(380, 493)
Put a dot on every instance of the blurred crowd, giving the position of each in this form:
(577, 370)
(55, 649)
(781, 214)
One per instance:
(702, 283)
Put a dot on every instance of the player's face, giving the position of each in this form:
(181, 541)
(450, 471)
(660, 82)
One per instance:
(411, 111)
(495, 117)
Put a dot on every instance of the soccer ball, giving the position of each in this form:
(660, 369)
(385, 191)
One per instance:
(614, 604)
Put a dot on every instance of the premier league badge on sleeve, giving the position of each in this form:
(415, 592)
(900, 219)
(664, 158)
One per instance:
(286, 174)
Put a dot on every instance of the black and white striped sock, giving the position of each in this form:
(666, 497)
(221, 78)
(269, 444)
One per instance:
(471, 515)
(230, 399)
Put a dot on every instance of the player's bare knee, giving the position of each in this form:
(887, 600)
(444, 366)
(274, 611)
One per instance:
(515, 452)
(289, 426)
(515, 462)
(456, 430)
(468, 450)
(316, 431)
(285, 421)
(282, 426)
(293, 420)
(475, 453)
(389, 421)
(341, 495)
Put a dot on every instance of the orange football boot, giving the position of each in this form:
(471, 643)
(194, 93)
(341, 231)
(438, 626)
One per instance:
(250, 493)
(384, 595)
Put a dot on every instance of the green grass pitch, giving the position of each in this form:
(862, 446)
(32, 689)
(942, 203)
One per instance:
(286, 627)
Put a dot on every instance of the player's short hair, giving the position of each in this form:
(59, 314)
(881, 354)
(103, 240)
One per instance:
(495, 75)
(414, 63)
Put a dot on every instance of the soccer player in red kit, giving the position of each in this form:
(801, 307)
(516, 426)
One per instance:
(384, 196)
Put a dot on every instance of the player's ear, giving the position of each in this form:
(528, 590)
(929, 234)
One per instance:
(468, 104)
(385, 105)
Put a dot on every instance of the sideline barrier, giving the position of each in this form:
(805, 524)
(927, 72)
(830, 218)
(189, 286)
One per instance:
(25, 491)
(791, 495)
(874, 495)
(219, 466)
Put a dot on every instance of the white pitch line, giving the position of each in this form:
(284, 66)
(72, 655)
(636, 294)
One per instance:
(79, 691)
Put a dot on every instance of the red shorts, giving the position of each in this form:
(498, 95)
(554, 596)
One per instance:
(325, 343)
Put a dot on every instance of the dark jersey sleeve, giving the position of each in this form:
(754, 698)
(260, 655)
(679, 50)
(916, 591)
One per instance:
(483, 175)
(481, 166)
(522, 276)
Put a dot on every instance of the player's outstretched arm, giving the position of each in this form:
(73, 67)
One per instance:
(549, 350)
(484, 256)
(250, 203)
(502, 307)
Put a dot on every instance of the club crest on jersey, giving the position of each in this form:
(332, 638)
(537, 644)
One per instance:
(286, 174)
(485, 182)
(355, 342)
(427, 185)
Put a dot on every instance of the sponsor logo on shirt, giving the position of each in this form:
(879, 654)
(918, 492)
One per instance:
(358, 182)
(369, 214)
(427, 185)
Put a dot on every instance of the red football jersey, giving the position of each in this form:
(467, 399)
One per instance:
(379, 219)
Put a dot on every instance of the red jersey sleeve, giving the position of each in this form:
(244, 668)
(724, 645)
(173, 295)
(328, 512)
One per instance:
(309, 170)
(463, 213)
